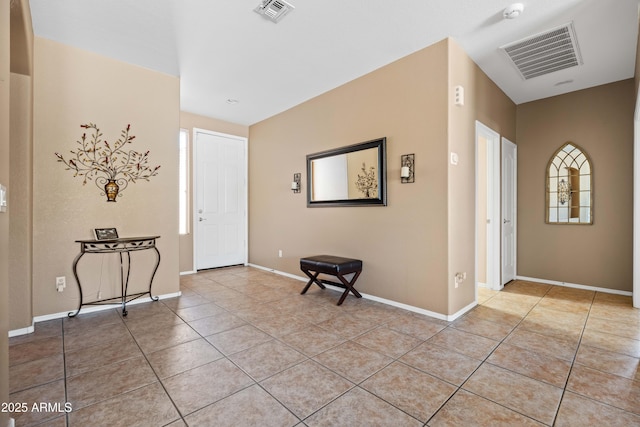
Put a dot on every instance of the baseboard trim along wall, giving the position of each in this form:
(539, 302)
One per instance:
(407, 307)
(89, 309)
(575, 285)
(22, 331)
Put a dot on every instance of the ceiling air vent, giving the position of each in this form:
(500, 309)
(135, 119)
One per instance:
(273, 10)
(545, 53)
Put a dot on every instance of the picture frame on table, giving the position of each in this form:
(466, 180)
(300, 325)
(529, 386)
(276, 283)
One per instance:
(106, 233)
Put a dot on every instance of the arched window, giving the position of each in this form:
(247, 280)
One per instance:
(569, 186)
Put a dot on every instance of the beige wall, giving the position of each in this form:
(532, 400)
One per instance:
(409, 247)
(402, 245)
(16, 49)
(20, 200)
(637, 69)
(72, 87)
(4, 217)
(190, 122)
(485, 102)
(600, 120)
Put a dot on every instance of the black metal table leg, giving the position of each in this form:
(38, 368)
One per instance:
(75, 274)
(154, 274)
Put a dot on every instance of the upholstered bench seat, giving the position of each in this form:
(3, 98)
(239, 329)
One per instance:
(335, 266)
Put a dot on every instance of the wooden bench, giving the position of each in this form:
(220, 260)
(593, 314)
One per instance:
(335, 266)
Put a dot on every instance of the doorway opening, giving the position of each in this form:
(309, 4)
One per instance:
(488, 197)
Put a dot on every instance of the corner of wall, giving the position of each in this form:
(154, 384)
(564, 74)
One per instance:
(482, 101)
(5, 59)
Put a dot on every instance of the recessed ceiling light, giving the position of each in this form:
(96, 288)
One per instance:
(232, 101)
(513, 11)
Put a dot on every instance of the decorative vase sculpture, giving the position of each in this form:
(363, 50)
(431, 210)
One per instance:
(111, 189)
(110, 166)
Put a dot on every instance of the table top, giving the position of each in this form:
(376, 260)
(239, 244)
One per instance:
(119, 240)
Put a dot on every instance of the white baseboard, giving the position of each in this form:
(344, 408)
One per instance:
(22, 331)
(575, 285)
(85, 309)
(378, 299)
(186, 273)
(281, 273)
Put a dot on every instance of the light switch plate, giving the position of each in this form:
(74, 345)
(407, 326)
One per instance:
(454, 158)
(3, 198)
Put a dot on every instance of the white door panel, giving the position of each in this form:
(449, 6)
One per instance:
(221, 200)
(509, 209)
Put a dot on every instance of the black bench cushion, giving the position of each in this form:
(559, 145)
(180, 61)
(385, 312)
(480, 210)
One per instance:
(331, 264)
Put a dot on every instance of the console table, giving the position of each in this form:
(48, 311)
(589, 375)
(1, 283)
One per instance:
(124, 245)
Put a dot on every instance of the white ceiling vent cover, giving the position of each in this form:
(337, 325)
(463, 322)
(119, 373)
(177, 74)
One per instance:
(273, 10)
(546, 52)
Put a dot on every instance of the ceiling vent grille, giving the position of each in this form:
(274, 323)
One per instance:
(273, 10)
(545, 53)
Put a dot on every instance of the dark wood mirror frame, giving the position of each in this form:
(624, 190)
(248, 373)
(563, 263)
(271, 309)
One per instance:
(357, 188)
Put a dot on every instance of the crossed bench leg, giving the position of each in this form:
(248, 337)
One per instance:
(335, 266)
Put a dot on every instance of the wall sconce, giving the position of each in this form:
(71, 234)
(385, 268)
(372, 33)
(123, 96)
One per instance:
(407, 168)
(564, 191)
(295, 184)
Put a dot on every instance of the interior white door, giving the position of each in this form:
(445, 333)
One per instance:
(490, 242)
(509, 209)
(221, 200)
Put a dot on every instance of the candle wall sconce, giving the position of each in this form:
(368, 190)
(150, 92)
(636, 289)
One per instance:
(407, 168)
(295, 184)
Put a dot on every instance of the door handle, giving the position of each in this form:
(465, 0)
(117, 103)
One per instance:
(202, 219)
(506, 221)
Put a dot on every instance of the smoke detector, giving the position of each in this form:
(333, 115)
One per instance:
(513, 11)
(273, 10)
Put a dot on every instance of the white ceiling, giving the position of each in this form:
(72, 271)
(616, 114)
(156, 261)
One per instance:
(223, 50)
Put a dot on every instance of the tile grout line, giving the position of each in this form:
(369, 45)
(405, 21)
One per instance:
(573, 360)
(310, 358)
(485, 361)
(359, 384)
(64, 370)
(154, 371)
(225, 356)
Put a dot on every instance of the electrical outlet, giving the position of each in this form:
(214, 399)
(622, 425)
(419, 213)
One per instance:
(61, 283)
(459, 278)
(279, 253)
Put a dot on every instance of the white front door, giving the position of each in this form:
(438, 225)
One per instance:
(509, 206)
(220, 211)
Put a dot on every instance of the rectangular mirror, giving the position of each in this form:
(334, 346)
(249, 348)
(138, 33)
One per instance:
(348, 176)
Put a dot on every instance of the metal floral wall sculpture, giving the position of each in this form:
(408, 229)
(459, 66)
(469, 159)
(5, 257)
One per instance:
(110, 166)
(367, 183)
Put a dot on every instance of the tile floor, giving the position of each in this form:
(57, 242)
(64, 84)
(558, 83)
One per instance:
(242, 347)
